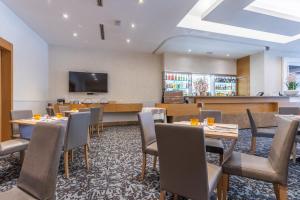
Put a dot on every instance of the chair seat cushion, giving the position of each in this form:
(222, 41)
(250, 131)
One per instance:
(12, 146)
(214, 174)
(15, 194)
(250, 166)
(152, 149)
(214, 146)
(266, 132)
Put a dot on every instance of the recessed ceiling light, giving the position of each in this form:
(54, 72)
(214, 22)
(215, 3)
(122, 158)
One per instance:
(132, 25)
(228, 55)
(141, 1)
(128, 40)
(65, 16)
(75, 34)
(190, 50)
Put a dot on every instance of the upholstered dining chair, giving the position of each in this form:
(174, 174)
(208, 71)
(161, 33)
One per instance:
(37, 180)
(258, 132)
(273, 169)
(213, 145)
(76, 136)
(63, 108)
(50, 111)
(184, 170)
(149, 146)
(289, 110)
(13, 146)
(19, 114)
(292, 111)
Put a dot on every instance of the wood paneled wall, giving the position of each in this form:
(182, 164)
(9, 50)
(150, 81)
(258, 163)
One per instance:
(6, 88)
(243, 74)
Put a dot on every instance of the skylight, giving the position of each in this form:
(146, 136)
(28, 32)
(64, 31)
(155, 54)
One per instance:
(194, 20)
(285, 9)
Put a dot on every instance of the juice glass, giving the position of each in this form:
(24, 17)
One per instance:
(37, 116)
(210, 121)
(59, 115)
(194, 122)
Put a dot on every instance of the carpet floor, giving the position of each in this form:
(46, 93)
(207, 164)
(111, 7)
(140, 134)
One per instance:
(116, 158)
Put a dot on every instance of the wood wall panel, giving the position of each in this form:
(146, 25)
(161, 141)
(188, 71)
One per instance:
(243, 74)
(6, 86)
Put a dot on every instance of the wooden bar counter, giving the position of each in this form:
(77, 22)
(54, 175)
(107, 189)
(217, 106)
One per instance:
(238, 104)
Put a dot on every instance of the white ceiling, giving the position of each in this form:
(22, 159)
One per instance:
(156, 26)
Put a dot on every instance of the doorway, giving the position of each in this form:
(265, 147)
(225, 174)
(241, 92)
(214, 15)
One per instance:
(6, 88)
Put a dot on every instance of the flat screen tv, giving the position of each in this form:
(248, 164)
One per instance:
(87, 82)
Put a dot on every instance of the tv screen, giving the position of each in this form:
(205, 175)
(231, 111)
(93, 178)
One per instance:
(87, 82)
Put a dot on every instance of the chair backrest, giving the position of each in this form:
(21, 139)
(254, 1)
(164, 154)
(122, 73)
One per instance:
(182, 160)
(289, 110)
(95, 114)
(252, 123)
(64, 108)
(282, 145)
(211, 113)
(147, 129)
(50, 111)
(40, 167)
(84, 109)
(19, 114)
(77, 130)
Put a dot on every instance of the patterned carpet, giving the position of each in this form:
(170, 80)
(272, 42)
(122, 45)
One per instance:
(116, 165)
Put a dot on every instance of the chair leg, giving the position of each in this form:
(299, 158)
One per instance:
(162, 195)
(71, 155)
(220, 190)
(66, 163)
(98, 130)
(175, 197)
(144, 165)
(101, 126)
(86, 156)
(221, 159)
(280, 191)
(253, 145)
(22, 156)
(225, 183)
(154, 162)
(294, 152)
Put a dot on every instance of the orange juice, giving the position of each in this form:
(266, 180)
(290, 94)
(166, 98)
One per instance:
(59, 115)
(194, 122)
(37, 116)
(210, 121)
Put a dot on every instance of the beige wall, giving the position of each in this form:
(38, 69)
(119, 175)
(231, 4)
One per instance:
(199, 64)
(132, 77)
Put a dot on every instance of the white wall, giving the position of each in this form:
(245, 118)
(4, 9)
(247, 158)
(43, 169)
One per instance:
(273, 74)
(265, 73)
(132, 77)
(30, 62)
(198, 64)
(256, 73)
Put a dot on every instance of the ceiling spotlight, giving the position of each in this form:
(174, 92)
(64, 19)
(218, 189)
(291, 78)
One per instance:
(128, 40)
(132, 25)
(190, 50)
(228, 55)
(141, 1)
(75, 34)
(65, 16)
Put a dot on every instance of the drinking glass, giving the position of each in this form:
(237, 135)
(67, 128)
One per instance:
(210, 121)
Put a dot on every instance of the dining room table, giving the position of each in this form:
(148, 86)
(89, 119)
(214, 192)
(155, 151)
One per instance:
(26, 125)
